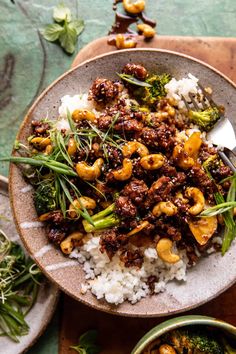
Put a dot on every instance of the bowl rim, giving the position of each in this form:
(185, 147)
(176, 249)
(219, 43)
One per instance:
(177, 322)
(25, 123)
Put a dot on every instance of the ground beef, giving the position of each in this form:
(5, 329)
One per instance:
(128, 125)
(136, 70)
(149, 137)
(221, 172)
(104, 122)
(206, 151)
(56, 217)
(40, 128)
(165, 229)
(125, 208)
(56, 234)
(165, 136)
(132, 258)
(110, 242)
(200, 179)
(168, 170)
(136, 190)
(179, 180)
(115, 156)
(159, 191)
(103, 90)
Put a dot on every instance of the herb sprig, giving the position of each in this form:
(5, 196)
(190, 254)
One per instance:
(19, 284)
(65, 30)
(88, 343)
(225, 208)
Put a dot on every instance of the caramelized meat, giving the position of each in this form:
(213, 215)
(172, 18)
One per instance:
(110, 242)
(136, 70)
(56, 234)
(125, 208)
(40, 128)
(136, 190)
(103, 90)
(132, 258)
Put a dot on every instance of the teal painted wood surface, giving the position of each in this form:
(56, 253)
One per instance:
(28, 63)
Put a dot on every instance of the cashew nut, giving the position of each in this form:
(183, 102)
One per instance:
(166, 349)
(125, 43)
(198, 198)
(47, 216)
(125, 172)
(40, 143)
(164, 251)
(167, 208)
(203, 228)
(146, 30)
(193, 145)
(70, 242)
(86, 202)
(80, 114)
(134, 146)
(89, 173)
(134, 7)
(48, 149)
(183, 160)
(138, 228)
(71, 149)
(152, 162)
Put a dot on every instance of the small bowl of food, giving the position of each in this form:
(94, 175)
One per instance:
(189, 335)
(115, 185)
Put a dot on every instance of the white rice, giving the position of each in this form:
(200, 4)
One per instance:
(111, 280)
(71, 103)
(178, 88)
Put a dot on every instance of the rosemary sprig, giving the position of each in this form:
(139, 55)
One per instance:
(132, 80)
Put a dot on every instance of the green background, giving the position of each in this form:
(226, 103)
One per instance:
(28, 63)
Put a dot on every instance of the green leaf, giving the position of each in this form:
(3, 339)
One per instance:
(68, 39)
(52, 32)
(61, 13)
(78, 25)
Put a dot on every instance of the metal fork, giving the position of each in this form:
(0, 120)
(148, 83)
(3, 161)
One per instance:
(222, 135)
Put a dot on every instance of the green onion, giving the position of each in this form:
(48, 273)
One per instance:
(132, 80)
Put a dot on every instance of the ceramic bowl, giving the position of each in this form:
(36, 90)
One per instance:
(178, 322)
(210, 277)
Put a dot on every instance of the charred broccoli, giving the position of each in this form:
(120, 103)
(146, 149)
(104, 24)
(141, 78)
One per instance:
(194, 341)
(205, 119)
(157, 89)
(212, 163)
(45, 198)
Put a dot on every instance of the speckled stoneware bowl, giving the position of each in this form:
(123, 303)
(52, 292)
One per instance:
(178, 322)
(210, 277)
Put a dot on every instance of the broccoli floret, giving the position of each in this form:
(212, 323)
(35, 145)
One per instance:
(194, 341)
(102, 220)
(157, 90)
(45, 198)
(212, 163)
(205, 119)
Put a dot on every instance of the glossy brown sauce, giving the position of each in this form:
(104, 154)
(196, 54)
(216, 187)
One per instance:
(124, 21)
